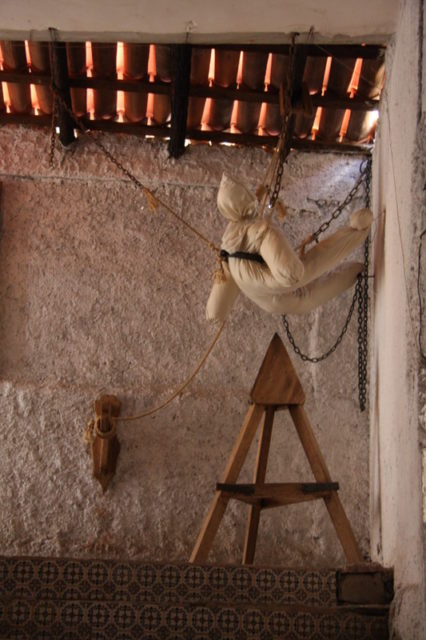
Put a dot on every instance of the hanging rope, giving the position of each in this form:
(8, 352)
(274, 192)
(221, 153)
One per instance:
(153, 202)
(150, 412)
(152, 199)
(269, 195)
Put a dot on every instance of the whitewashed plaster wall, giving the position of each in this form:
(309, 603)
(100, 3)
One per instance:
(399, 179)
(97, 294)
(219, 21)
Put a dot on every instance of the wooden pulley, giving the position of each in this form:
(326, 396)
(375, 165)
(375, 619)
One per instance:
(105, 446)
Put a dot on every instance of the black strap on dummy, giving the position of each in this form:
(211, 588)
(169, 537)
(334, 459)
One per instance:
(242, 255)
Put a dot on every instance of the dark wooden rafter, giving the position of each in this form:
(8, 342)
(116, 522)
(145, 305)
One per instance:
(61, 85)
(295, 95)
(271, 141)
(272, 97)
(181, 71)
(177, 90)
(367, 52)
(243, 139)
(144, 86)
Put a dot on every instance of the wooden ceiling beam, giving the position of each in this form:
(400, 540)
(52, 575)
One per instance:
(23, 77)
(196, 135)
(366, 52)
(218, 93)
(295, 95)
(61, 85)
(271, 141)
(181, 72)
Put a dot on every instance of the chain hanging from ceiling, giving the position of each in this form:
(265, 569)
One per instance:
(360, 293)
(270, 198)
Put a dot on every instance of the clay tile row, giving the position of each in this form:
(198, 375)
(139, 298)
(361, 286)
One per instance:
(219, 78)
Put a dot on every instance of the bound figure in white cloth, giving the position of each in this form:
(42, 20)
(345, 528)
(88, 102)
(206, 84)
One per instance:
(258, 260)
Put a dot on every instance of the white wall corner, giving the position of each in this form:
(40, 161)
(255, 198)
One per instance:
(395, 455)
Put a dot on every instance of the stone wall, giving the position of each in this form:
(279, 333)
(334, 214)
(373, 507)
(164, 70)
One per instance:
(98, 294)
(396, 434)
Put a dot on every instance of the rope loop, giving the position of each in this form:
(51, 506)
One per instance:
(179, 390)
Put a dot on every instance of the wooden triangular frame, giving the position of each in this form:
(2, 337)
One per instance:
(277, 383)
(277, 386)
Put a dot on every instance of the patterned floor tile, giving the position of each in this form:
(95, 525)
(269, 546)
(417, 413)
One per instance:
(66, 599)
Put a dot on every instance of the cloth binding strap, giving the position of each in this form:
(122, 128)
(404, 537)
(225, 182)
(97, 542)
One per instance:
(242, 255)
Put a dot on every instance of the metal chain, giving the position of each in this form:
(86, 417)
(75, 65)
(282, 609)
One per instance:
(363, 179)
(282, 145)
(88, 132)
(360, 295)
(53, 131)
(363, 306)
(153, 200)
(54, 106)
(332, 349)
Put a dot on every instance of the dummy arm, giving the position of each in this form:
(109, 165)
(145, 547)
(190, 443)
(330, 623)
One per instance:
(283, 262)
(222, 297)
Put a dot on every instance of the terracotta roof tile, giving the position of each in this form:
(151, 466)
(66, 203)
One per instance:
(231, 90)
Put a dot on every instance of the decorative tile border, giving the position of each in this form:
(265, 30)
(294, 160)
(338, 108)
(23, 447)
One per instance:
(55, 620)
(47, 578)
(65, 599)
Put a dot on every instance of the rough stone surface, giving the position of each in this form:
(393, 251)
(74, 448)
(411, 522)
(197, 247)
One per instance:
(98, 294)
(396, 386)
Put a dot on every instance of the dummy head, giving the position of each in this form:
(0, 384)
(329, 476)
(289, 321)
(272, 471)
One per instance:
(234, 200)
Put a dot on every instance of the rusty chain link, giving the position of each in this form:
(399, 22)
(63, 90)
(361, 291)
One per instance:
(282, 145)
(361, 289)
(54, 109)
(52, 134)
(153, 200)
(363, 179)
(332, 349)
(363, 302)
(360, 294)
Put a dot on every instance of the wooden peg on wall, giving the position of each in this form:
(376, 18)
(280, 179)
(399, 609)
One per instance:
(105, 446)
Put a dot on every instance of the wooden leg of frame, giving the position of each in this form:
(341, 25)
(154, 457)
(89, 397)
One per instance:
(259, 477)
(232, 471)
(321, 473)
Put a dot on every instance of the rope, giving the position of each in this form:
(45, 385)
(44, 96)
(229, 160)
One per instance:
(179, 390)
(152, 199)
(153, 202)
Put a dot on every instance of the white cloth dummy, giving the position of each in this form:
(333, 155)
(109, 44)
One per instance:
(286, 283)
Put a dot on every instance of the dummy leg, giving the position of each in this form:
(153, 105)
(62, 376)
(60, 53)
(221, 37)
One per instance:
(316, 293)
(222, 298)
(329, 253)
